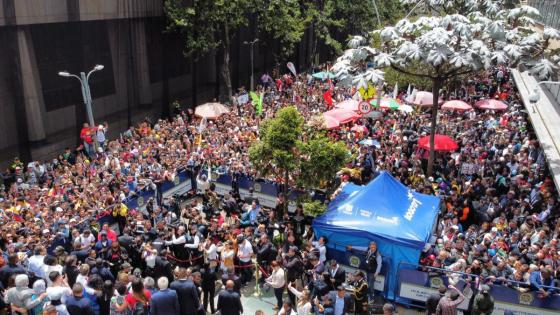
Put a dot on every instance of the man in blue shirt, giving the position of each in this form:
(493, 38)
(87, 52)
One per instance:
(77, 304)
(540, 279)
(342, 301)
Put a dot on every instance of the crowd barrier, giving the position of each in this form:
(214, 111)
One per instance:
(185, 180)
(415, 286)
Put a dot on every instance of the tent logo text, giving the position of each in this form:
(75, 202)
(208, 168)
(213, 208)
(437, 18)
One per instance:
(413, 206)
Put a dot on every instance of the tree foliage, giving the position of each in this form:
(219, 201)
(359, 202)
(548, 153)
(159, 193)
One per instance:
(458, 37)
(286, 150)
(281, 20)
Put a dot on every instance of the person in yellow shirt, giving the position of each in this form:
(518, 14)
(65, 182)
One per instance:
(120, 210)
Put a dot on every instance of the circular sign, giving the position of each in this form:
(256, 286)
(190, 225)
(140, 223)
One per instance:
(364, 108)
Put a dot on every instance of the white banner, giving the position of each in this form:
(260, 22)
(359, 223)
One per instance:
(243, 99)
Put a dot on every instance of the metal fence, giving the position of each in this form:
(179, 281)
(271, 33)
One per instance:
(550, 12)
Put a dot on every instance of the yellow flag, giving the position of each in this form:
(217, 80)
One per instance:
(370, 91)
(363, 93)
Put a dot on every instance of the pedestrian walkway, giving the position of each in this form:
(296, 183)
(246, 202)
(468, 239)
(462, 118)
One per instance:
(545, 118)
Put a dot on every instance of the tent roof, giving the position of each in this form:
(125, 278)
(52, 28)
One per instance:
(384, 208)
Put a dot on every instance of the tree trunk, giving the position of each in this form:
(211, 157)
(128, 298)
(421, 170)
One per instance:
(435, 105)
(286, 201)
(226, 73)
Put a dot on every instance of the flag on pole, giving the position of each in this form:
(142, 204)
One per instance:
(292, 68)
(328, 98)
(257, 102)
(202, 125)
(396, 90)
(409, 90)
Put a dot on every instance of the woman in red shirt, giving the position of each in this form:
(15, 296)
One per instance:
(138, 295)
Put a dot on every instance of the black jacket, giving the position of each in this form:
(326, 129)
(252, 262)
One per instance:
(188, 296)
(229, 303)
(79, 306)
(339, 276)
(209, 278)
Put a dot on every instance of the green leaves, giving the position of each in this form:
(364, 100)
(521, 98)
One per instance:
(309, 156)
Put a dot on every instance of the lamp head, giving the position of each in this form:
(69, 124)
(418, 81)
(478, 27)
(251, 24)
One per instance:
(64, 74)
(535, 96)
(98, 67)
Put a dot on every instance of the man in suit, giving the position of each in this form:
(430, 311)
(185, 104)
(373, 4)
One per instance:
(342, 301)
(187, 293)
(337, 274)
(165, 301)
(229, 302)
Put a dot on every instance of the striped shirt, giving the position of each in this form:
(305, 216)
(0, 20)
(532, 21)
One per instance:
(446, 306)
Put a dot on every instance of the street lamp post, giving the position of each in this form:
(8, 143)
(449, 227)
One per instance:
(252, 43)
(86, 94)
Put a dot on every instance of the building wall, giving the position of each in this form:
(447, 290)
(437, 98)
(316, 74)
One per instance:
(145, 70)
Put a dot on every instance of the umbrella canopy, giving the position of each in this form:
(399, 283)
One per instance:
(359, 128)
(370, 142)
(342, 115)
(374, 114)
(211, 110)
(406, 108)
(491, 104)
(386, 103)
(348, 105)
(330, 122)
(422, 98)
(323, 75)
(441, 143)
(456, 105)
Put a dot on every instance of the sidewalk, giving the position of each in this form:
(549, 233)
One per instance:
(545, 118)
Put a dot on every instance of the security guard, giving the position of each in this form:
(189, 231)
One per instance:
(360, 293)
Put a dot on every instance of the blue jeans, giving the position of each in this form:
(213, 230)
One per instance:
(371, 284)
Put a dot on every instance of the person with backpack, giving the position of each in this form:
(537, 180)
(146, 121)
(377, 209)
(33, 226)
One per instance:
(137, 301)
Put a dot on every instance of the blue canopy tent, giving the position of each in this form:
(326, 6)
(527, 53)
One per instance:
(398, 219)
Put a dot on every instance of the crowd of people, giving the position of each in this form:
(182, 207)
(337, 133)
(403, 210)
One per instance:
(498, 223)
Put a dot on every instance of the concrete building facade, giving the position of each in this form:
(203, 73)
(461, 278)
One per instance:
(145, 70)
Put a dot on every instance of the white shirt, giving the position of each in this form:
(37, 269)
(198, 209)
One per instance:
(36, 265)
(48, 269)
(277, 279)
(322, 252)
(245, 251)
(212, 252)
(83, 280)
(86, 241)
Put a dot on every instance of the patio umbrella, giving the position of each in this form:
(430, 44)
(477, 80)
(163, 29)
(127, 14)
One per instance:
(330, 122)
(370, 142)
(348, 105)
(386, 103)
(359, 128)
(491, 104)
(406, 108)
(342, 115)
(211, 110)
(422, 98)
(323, 75)
(374, 114)
(456, 105)
(441, 143)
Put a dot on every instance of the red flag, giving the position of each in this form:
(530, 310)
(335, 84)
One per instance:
(328, 98)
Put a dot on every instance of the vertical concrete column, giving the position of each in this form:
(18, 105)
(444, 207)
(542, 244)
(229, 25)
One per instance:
(118, 45)
(141, 64)
(31, 82)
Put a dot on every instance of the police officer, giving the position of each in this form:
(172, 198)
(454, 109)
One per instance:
(360, 293)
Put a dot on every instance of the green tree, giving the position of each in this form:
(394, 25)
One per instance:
(283, 22)
(285, 149)
(208, 26)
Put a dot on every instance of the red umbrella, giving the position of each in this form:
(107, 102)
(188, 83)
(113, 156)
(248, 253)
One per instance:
(342, 115)
(422, 98)
(456, 105)
(441, 143)
(359, 128)
(491, 104)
